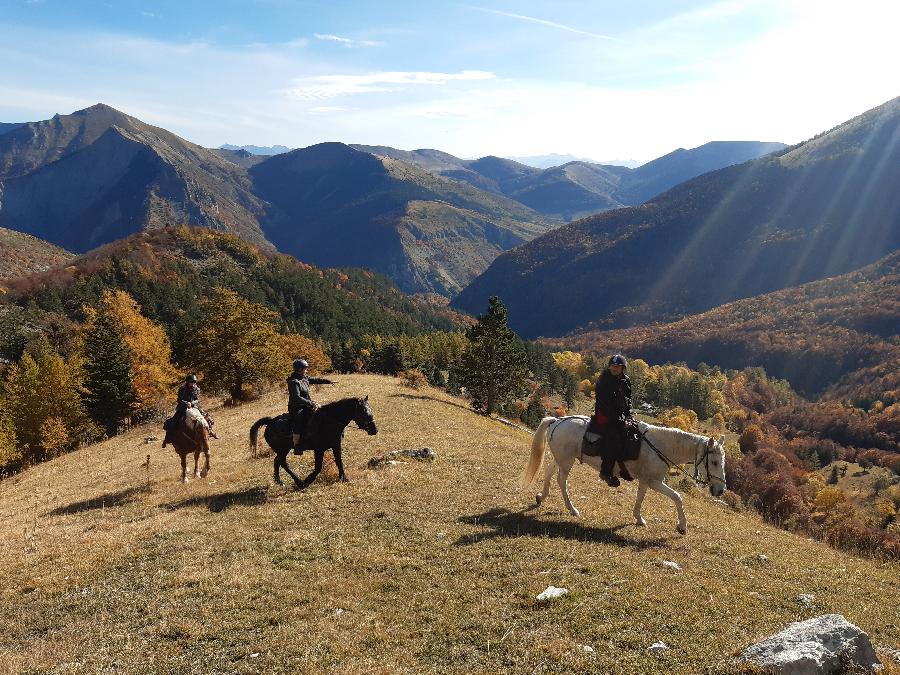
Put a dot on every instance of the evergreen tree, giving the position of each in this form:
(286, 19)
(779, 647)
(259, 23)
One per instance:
(493, 367)
(109, 380)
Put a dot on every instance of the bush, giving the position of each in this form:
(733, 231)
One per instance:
(413, 378)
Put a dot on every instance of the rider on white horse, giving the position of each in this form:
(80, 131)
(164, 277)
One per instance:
(612, 407)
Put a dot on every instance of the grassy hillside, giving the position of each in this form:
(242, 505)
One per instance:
(23, 254)
(416, 567)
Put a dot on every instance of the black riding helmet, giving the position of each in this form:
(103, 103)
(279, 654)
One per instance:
(300, 363)
(618, 360)
(191, 379)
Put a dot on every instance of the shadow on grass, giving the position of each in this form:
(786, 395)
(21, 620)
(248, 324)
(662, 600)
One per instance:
(422, 397)
(219, 502)
(108, 500)
(506, 523)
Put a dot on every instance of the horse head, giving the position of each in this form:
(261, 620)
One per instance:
(363, 416)
(710, 462)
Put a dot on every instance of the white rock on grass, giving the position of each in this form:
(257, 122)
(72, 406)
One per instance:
(812, 647)
(551, 593)
(672, 565)
(658, 647)
(806, 599)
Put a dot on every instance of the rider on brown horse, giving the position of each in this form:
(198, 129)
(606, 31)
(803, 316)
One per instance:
(300, 404)
(188, 397)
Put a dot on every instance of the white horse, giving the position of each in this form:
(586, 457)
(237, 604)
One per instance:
(673, 447)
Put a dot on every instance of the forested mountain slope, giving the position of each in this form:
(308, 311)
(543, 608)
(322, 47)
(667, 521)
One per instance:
(169, 271)
(332, 205)
(814, 335)
(818, 209)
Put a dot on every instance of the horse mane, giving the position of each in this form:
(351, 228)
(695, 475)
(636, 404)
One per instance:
(338, 405)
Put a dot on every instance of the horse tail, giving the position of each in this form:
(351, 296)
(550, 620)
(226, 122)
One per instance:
(254, 431)
(537, 451)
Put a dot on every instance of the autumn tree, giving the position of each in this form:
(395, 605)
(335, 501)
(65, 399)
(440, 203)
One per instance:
(108, 381)
(492, 368)
(236, 344)
(42, 387)
(297, 346)
(153, 374)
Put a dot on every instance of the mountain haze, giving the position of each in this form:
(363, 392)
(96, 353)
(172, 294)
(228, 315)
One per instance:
(576, 189)
(821, 208)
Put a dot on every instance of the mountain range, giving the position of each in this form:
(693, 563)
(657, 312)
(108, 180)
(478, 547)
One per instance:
(21, 254)
(429, 220)
(810, 211)
(579, 188)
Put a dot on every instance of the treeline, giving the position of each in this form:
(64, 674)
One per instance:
(119, 369)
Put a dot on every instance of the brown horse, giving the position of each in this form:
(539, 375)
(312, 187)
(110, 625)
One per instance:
(192, 435)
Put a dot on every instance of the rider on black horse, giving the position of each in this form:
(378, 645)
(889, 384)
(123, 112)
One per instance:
(612, 408)
(300, 404)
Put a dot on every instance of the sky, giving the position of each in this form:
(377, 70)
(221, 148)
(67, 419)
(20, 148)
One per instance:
(605, 79)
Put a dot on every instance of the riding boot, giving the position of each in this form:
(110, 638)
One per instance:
(606, 467)
(298, 447)
(624, 474)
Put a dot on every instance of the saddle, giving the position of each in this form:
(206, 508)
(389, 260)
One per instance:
(596, 442)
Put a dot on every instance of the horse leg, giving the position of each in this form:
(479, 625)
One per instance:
(638, 518)
(278, 459)
(196, 464)
(205, 471)
(184, 478)
(662, 488)
(282, 459)
(320, 455)
(340, 465)
(550, 468)
(562, 478)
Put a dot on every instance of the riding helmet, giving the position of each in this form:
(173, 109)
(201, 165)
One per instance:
(618, 360)
(300, 363)
(191, 378)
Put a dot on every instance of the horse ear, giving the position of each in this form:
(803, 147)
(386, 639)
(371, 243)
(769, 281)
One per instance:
(366, 398)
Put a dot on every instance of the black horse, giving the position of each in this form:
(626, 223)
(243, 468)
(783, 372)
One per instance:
(326, 433)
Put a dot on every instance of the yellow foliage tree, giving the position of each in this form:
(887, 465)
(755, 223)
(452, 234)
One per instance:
(10, 454)
(297, 346)
(150, 353)
(570, 361)
(39, 387)
(829, 497)
(236, 344)
(680, 418)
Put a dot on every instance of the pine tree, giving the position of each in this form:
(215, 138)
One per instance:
(109, 380)
(493, 366)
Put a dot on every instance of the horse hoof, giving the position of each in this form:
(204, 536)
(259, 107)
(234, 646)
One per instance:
(185, 480)
(576, 514)
(538, 499)
(682, 530)
(640, 522)
(344, 479)
(204, 474)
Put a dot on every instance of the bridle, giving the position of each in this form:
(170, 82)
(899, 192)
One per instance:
(702, 459)
(368, 425)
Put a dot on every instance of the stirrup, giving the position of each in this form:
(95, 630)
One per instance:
(610, 480)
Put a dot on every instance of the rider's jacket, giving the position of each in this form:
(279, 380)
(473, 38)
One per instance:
(612, 401)
(298, 392)
(189, 395)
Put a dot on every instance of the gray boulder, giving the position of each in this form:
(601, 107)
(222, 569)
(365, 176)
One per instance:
(813, 647)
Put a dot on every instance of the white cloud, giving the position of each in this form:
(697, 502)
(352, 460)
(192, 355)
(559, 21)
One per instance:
(330, 86)
(550, 24)
(348, 42)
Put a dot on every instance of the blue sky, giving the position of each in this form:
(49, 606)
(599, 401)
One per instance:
(607, 80)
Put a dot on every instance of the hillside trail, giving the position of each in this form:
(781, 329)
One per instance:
(416, 566)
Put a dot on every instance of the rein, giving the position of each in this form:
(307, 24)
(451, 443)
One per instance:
(672, 465)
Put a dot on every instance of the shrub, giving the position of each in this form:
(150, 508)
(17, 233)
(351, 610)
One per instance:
(413, 378)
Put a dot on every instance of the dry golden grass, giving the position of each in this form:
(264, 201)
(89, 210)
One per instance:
(413, 568)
